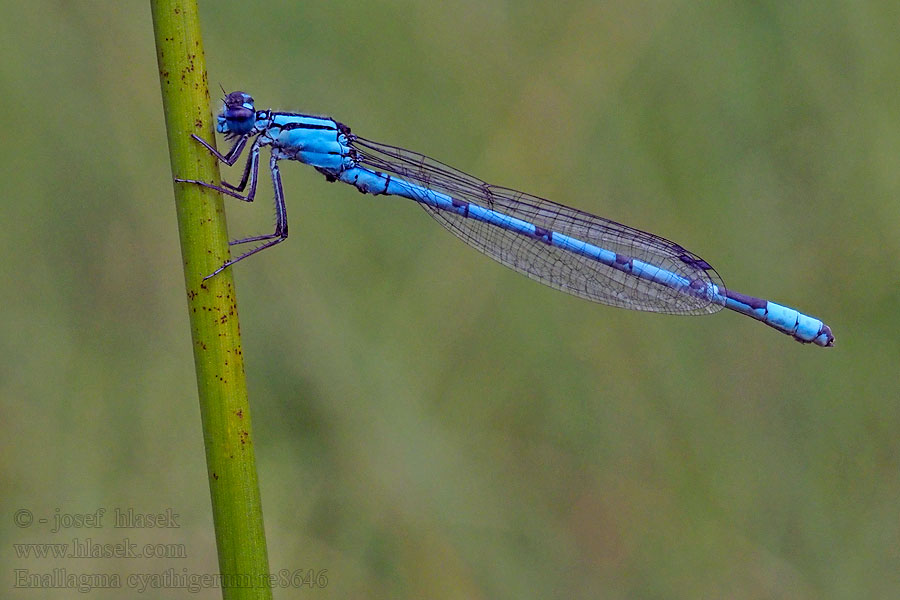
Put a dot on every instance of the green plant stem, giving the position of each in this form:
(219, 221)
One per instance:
(212, 307)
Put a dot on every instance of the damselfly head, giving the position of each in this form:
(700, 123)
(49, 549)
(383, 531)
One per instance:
(238, 114)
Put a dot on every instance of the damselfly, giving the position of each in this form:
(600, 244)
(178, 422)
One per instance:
(564, 248)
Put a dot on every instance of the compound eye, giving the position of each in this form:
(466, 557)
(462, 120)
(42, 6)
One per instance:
(238, 113)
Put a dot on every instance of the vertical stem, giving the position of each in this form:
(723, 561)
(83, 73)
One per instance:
(212, 306)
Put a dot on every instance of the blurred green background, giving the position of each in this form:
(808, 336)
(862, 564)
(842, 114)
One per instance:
(429, 424)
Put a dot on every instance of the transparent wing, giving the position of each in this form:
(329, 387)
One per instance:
(552, 266)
